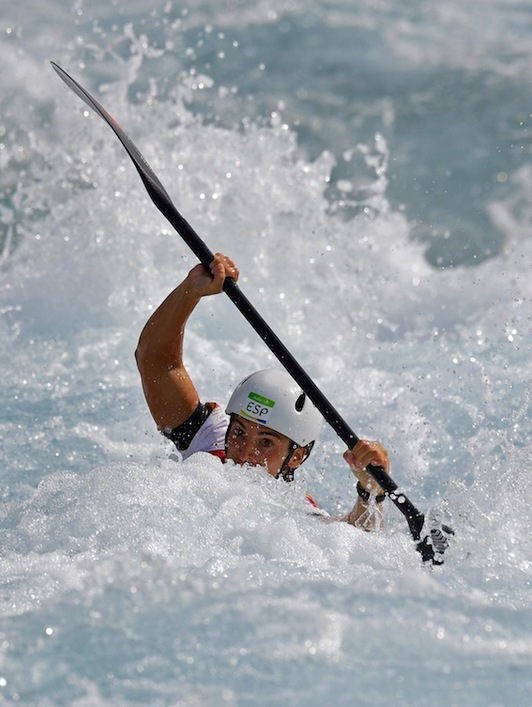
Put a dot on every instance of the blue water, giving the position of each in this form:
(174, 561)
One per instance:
(368, 166)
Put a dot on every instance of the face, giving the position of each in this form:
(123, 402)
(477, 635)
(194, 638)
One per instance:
(250, 443)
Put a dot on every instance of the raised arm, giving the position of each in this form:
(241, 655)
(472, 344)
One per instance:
(169, 391)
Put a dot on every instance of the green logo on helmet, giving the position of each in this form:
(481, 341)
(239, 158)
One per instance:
(261, 399)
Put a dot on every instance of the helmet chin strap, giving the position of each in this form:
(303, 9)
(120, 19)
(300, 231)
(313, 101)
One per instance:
(285, 472)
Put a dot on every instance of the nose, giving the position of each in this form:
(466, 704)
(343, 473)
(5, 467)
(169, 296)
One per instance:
(244, 453)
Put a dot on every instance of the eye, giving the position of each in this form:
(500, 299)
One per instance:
(237, 432)
(267, 443)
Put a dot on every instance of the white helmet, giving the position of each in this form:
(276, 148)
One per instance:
(272, 398)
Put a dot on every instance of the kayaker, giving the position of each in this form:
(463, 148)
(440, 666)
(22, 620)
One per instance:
(268, 420)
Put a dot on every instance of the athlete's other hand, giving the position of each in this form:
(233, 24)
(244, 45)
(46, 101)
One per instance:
(363, 454)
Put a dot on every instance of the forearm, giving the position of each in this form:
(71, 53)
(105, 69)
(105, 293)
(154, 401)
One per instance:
(367, 515)
(161, 340)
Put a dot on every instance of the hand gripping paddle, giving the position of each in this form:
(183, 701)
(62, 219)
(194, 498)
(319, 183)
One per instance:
(162, 201)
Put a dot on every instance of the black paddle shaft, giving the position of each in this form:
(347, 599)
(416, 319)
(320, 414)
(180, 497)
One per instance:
(162, 201)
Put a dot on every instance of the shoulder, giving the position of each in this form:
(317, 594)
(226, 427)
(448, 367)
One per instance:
(183, 434)
(210, 437)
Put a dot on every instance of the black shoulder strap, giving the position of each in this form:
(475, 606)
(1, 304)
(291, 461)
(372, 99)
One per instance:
(183, 434)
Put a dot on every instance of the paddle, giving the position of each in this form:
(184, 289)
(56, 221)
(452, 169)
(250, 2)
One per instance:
(163, 202)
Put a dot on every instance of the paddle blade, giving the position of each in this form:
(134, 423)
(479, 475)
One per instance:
(148, 176)
(155, 189)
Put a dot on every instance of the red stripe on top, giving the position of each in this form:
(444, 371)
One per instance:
(311, 501)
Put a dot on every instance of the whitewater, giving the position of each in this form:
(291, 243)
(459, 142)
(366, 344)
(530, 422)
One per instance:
(368, 168)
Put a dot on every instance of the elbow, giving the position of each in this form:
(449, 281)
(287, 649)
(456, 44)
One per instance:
(151, 360)
(141, 356)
